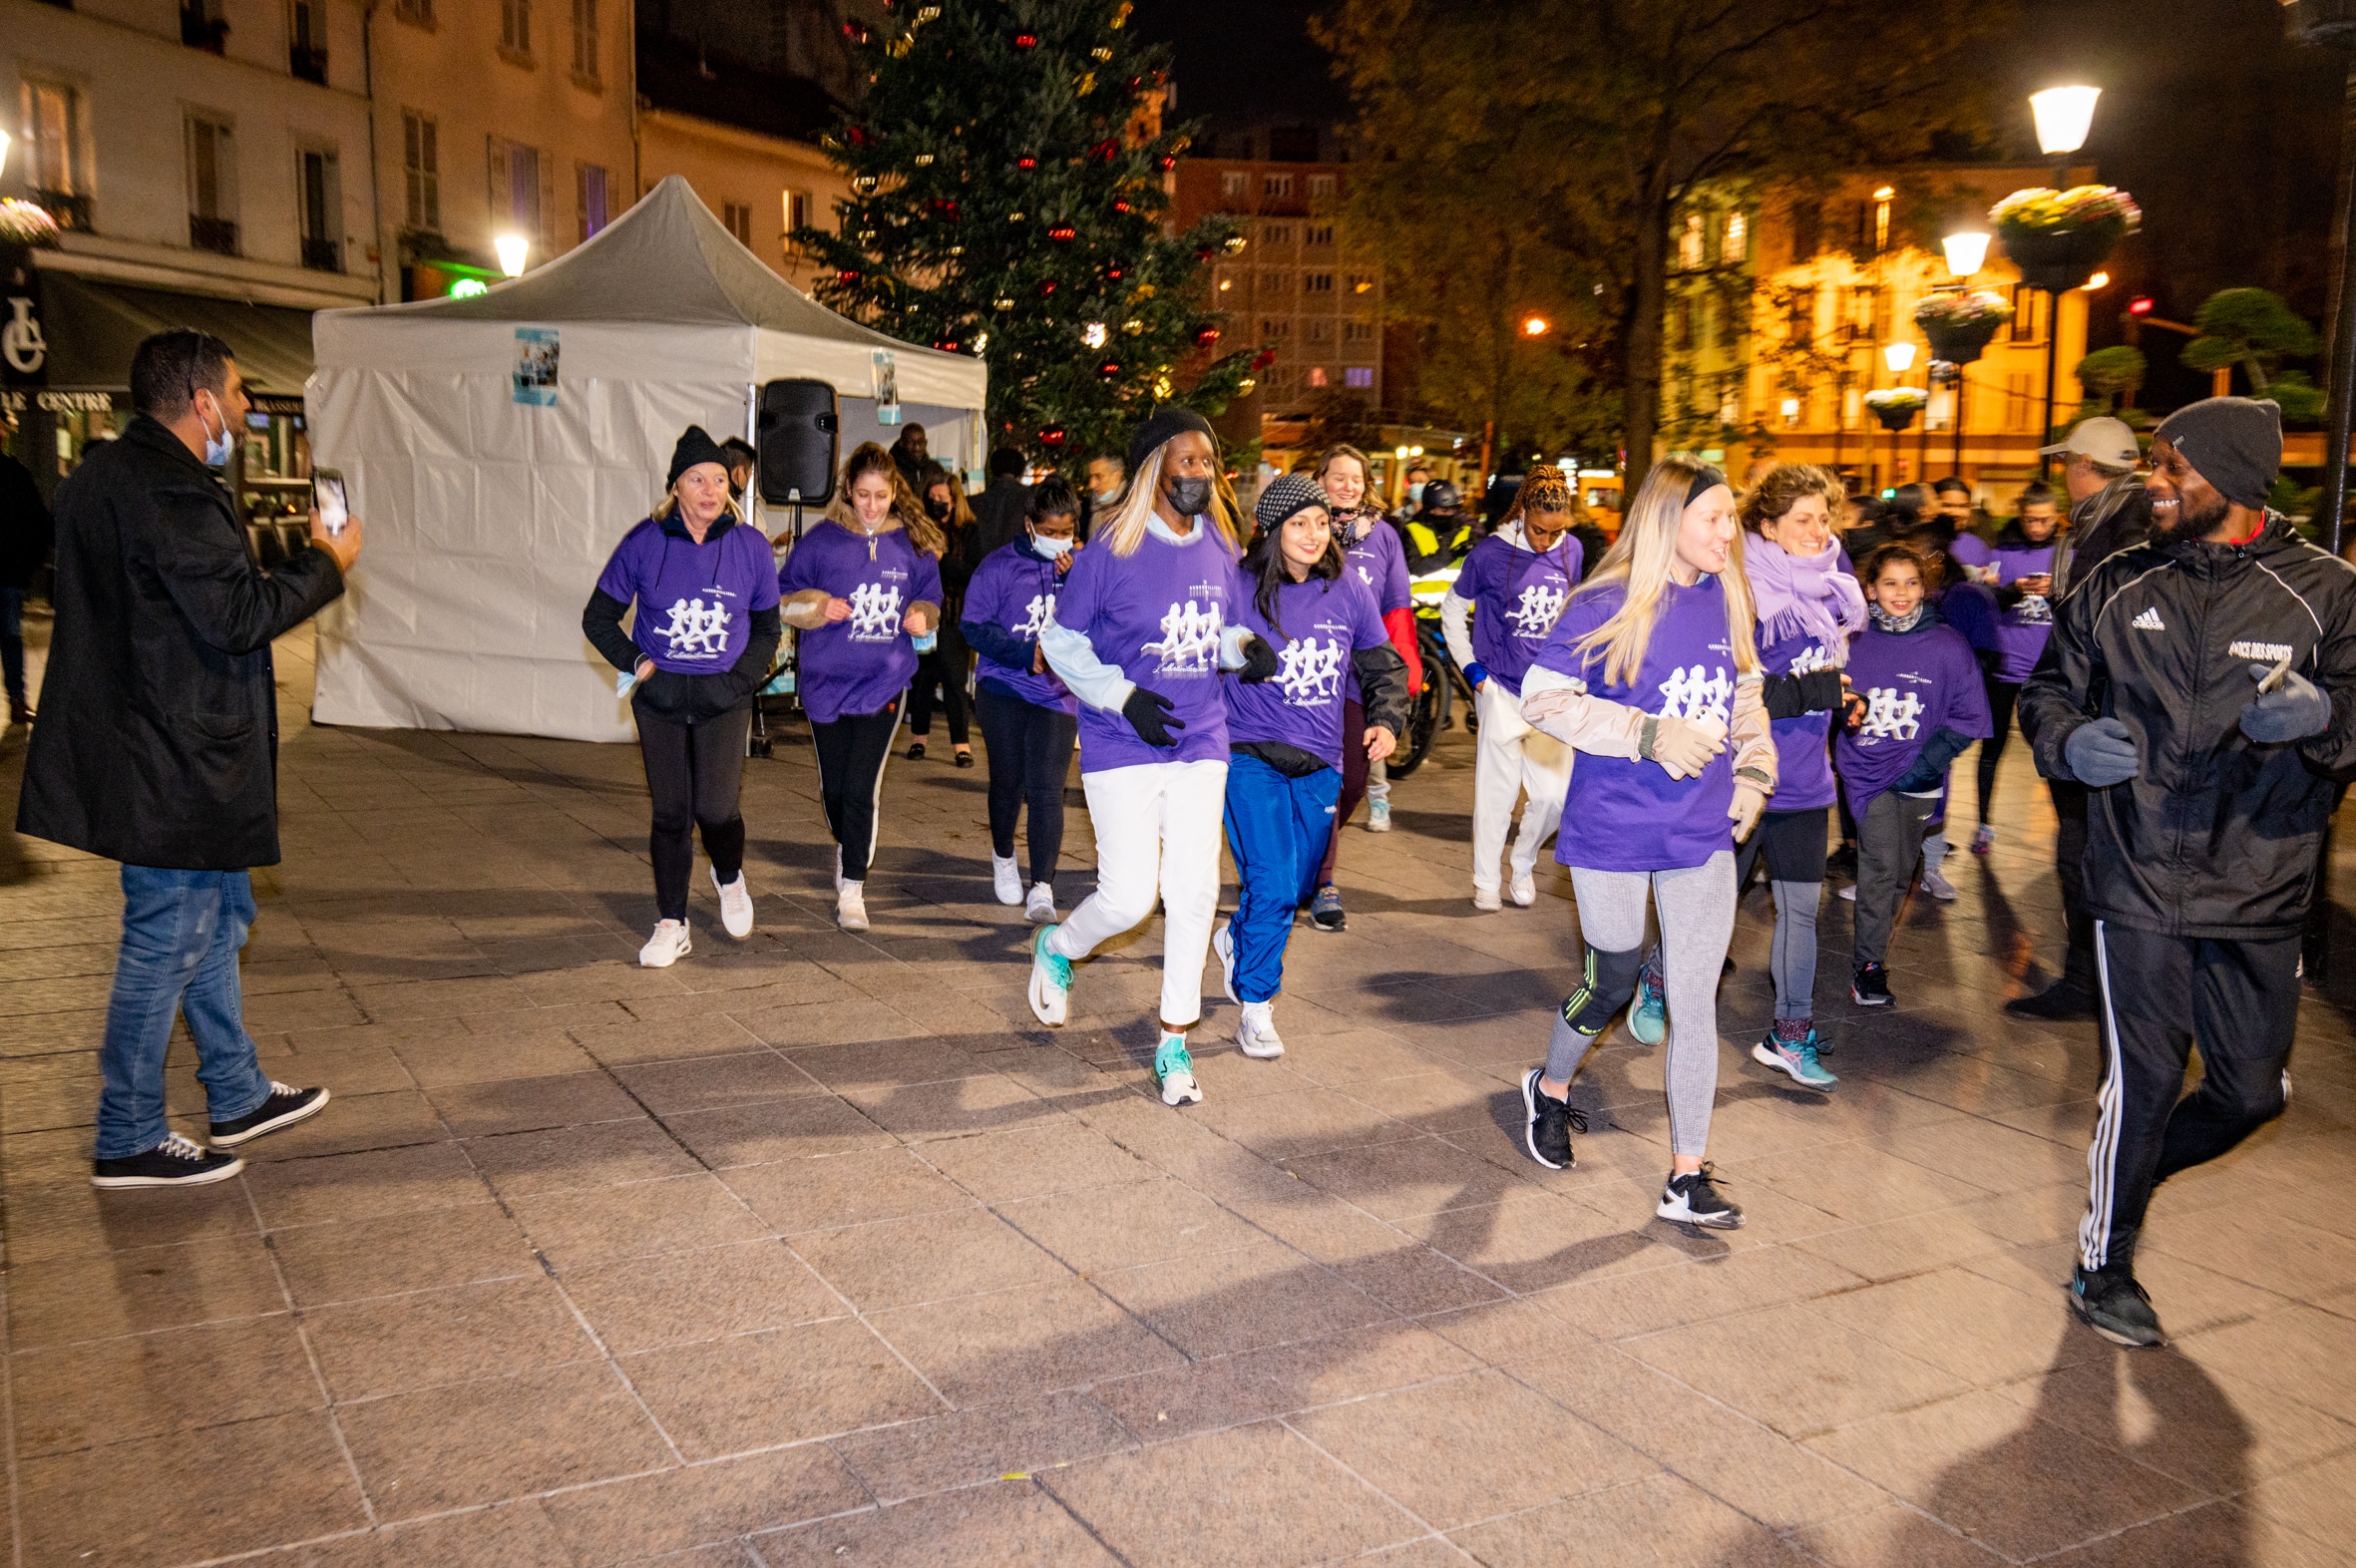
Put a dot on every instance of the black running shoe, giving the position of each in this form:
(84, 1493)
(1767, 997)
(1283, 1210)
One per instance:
(1695, 1200)
(2063, 1002)
(1870, 987)
(176, 1162)
(1546, 1131)
(284, 1109)
(2116, 1307)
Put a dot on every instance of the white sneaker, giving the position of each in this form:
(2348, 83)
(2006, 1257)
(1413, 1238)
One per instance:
(1486, 899)
(736, 906)
(670, 943)
(1173, 1068)
(1849, 893)
(850, 906)
(1377, 816)
(1040, 907)
(1937, 885)
(1005, 880)
(1525, 888)
(1223, 944)
(1257, 1033)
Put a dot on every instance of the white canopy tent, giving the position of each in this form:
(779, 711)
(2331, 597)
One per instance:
(499, 446)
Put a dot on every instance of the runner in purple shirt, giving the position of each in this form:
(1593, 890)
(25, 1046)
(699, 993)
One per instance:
(707, 629)
(861, 589)
(2021, 571)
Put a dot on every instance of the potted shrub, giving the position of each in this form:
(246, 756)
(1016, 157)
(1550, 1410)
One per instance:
(1960, 327)
(2057, 237)
(1896, 407)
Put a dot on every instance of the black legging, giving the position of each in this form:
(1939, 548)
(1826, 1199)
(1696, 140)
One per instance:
(2002, 694)
(692, 773)
(944, 667)
(852, 751)
(1029, 757)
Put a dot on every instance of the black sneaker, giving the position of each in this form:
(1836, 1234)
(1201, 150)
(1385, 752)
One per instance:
(1324, 909)
(1695, 1200)
(1871, 986)
(1546, 1132)
(176, 1162)
(284, 1109)
(2115, 1307)
(915, 751)
(2063, 1002)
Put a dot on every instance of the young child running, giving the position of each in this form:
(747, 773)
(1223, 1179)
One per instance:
(1513, 585)
(1808, 609)
(2021, 571)
(1287, 738)
(860, 588)
(1028, 717)
(1142, 627)
(1653, 671)
(1923, 706)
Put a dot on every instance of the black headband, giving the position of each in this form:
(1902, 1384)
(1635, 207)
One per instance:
(1706, 481)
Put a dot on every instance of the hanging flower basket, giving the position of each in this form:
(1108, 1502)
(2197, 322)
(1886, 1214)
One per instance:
(1896, 407)
(2059, 238)
(25, 223)
(1960, 327)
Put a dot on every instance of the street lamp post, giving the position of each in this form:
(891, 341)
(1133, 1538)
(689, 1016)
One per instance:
(1967, 252)
(1900, 358)
(2064, 117)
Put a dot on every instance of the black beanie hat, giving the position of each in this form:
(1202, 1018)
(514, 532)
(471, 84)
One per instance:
(694, 447)
(1286, 496)
(2235, 443)
(1168, 420)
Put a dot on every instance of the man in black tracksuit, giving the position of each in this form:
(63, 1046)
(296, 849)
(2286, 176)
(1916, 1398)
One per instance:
(2209, 780)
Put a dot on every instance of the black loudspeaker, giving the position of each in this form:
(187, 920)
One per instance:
(795, 434)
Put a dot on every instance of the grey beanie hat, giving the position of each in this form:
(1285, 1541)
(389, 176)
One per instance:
(1286, 496)
(2235, 443)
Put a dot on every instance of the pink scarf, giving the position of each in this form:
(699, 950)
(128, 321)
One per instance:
(1808, 594)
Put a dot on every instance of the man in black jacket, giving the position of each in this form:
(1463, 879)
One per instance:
(2203, 687)
(25, 536)
(159, 748)
(999, 510)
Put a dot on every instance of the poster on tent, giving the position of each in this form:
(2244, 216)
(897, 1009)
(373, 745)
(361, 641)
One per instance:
(535, 366)
(887, 387)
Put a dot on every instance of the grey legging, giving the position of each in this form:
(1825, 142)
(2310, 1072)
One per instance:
(1793, 953)
(1697, 908)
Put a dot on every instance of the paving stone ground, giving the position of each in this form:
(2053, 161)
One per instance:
(816, 1249)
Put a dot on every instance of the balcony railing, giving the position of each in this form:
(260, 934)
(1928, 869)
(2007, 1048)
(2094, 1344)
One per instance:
(307, 62)
(217, 234)
(323, 255)
(71, 211)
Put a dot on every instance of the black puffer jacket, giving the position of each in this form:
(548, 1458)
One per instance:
(2215, 836)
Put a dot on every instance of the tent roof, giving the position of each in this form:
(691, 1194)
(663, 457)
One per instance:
(667, 261)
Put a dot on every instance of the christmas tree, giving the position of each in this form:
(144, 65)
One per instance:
(1007, 200)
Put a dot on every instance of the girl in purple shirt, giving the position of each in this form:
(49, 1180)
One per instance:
(861, 589)
(2021, 571)
(699, 649)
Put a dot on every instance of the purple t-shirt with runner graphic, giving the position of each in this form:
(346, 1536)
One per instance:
(2021, 633)
(1323, 624)
(1628, 815)
(1914, 685)
(860, 664)
(1380, 562)
(1515, 597)
(695, 601)
(1014, 588)
(1803, 762)
(1971, 550)
(1156, 616)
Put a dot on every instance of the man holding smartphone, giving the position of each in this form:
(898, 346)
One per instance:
(159, 748)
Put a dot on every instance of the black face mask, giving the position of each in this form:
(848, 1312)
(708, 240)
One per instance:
(938, 510)
(1191, 496)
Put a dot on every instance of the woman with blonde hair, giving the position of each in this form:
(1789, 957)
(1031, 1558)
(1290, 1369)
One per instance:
(863, 587)
(1653, 672)
(1147, 619)
(707, 629)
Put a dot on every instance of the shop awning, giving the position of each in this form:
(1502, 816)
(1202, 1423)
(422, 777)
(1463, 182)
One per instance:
(92, 328)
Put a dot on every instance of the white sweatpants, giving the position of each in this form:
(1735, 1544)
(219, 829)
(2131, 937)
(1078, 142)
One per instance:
(1158, 832)
(1513, 758)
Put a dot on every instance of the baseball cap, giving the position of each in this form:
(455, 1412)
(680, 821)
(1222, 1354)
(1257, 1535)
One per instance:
(2105, 440)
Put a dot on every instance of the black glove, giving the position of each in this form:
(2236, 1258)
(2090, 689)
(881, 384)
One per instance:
(1149, 715)
(1259, 661)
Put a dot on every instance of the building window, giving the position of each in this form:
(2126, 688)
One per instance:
(417, 13)
(1319, 234)
(1357, 376)
(318, 197)
(1358, 331)
(794, 209)
(1317, 375)
(306, 40)
(1276, 233)
(54, 162)
(421, 162)
(1689, 242)
(1734, 247)
(1316, 282)
(1320, 185)
(1274, 328)
(590, 179)
(585, 42)
(515, 27)
(1277, 185)
(1321, 331)
(739, 220)
(516, 200)
(1275, 282)
(2028, 318)
(202, 26)
(2020, 401)
(212, 186)
(1234, 182)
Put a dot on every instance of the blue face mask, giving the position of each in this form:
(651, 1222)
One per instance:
(1049, 549)
(217, 452)
(1415, 494)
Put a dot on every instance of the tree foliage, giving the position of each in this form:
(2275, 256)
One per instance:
(2109, 372)
(2247, 329)
(1006, 198)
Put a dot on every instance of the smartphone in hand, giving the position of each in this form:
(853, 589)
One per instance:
(327, 496)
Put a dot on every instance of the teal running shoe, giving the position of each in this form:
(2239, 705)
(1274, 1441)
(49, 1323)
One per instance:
(1173, 1070)
(1647, 1016)
(1797, 1058)
(1050, 980)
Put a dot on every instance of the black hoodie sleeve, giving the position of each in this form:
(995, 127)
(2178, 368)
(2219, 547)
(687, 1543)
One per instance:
(601, 622)
(760, 649)
(1382, 684)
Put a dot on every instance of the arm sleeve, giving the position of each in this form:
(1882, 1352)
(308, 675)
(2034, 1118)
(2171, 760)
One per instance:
(995, 643)
(1753, 742)
(231, 603)
(2333, 753)
(1401, 625)
(760, 650)
(1074, 661)
(1931, 763)
(1455, 625)
(601, 622)
(804, 609)
(1231, 647)
(2061, 692)
(924, 589)
(1383, 686)
(1559, 705)
(1788, 697)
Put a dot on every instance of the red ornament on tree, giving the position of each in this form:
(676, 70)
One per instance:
(1027, 40)
(1109, 369)
(1113, 272)
(1105, 150)
(1205, 253)
(857, 133)
(1051, 435)
(1063, 233)
(1263, 359)
(1026, 162)
(1046, 287)
(948, 345)
(1120, 204)
(846, 277)
(1169, 162)
(1204, 337)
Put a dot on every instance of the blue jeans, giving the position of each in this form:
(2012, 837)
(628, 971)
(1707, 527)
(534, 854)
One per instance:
(12, 642)
(180, 934)
(1278, 828)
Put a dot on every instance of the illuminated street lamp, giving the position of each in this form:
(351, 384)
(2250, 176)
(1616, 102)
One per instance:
(1535, 326)
(1966, 253)
(5, 139)
(1899, 357)
(512, 248)
(2065, 116)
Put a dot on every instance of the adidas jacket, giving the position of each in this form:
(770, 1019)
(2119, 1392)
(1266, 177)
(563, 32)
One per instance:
(2215, 836)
